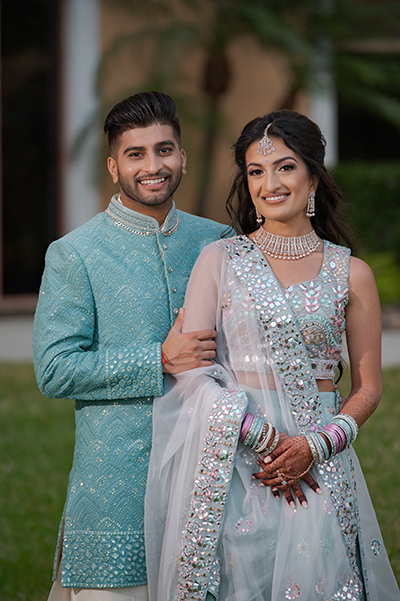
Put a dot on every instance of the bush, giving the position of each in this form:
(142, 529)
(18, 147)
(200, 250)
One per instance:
(372, 208)
(372, 198)
(387, 275)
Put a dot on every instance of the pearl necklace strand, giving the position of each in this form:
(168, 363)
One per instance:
(286, 247)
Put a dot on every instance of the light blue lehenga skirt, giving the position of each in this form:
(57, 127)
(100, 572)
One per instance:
(264, 541)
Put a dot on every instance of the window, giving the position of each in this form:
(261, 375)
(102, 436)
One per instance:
(29, 145)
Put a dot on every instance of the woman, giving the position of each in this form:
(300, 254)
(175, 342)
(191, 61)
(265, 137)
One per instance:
(280, 297)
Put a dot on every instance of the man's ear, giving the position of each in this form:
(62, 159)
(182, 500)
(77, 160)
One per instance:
(113, 169)
(183, 158)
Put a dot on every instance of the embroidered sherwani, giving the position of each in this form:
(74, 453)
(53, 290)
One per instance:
(111, 291)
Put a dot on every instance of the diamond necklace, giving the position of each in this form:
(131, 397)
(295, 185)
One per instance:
(286, 247)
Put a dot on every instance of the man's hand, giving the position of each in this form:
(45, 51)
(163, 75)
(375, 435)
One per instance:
(187, 351)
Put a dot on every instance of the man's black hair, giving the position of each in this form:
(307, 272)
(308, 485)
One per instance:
(141, 110)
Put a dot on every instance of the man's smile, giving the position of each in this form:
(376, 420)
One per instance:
(153, 183)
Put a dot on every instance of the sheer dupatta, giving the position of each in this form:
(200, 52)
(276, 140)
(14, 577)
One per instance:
(205, 519)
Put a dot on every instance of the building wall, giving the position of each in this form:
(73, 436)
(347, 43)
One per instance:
(259, 83)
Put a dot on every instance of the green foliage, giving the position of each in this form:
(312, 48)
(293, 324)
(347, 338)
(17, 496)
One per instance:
(387, 275)
(36, 442)
(318, 38)
(372, 194)
(372, 199)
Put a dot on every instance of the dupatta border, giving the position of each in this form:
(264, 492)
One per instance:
(282, 334)
(197, 564)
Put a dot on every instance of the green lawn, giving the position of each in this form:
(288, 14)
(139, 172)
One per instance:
(378, 449)
(36, 442)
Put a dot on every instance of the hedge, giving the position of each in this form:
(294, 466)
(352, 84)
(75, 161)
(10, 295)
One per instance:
(372, 207)
(372, 199)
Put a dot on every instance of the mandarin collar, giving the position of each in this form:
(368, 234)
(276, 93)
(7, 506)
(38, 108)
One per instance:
(141, 224)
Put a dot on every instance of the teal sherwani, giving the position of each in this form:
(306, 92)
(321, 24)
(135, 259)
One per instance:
(110, 293)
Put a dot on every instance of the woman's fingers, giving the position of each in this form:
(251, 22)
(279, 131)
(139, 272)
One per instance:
(289, 498)
(298, 491)
(287, 493)
(268, 474)
(308, 479)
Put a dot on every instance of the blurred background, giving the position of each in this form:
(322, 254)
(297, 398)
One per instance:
(64, 64)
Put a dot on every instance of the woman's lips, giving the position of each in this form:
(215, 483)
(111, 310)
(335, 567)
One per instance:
(275, 199)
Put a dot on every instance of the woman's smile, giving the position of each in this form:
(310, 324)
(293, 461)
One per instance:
(275, 198)
(279, 187)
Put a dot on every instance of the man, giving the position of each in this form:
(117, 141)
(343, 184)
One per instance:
(102, 335)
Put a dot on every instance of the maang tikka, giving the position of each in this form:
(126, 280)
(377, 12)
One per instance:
(265, 145)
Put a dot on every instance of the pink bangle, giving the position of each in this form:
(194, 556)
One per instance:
(247, 421)
(163, 358)
(337, 434)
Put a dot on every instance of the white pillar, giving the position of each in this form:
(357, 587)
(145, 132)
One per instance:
(324, 111)
(81, 51)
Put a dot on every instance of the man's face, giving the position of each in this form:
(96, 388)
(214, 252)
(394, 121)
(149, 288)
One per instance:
(148, 164)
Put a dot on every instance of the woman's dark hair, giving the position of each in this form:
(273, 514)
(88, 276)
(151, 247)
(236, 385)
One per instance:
(304, 137)
(142, 110)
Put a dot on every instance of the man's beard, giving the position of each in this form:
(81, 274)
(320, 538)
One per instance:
(151, 198)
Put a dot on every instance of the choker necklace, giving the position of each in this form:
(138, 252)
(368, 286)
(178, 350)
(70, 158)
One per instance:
(286, 247)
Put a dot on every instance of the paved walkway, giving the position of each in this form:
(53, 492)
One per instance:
(16, 341)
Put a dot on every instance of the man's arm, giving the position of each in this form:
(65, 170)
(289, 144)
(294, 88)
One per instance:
(67, 363)
(182, 352)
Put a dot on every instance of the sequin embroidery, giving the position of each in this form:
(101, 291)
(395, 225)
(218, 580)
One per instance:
(98, 326)
(293, 591)
(226, 301)
(375, 546)
(304, 547)
(243, 526)
(210, 489)
(288, 351)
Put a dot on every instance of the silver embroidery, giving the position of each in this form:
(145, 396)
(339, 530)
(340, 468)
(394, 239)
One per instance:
(293, 591)
(281, 331)
(208, 497)
(226, 301)
(243, 526)
(375, 546)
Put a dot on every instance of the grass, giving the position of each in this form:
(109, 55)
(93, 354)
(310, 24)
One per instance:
(36, 444)
(378, 449)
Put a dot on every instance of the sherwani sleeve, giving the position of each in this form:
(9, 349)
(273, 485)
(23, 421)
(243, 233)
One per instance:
(69, 361)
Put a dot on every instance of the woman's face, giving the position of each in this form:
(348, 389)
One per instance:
(279, 186)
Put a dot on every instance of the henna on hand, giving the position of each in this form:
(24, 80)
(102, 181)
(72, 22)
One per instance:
(285, 466)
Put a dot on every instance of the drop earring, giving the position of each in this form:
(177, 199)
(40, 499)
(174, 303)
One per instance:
(311, 205)
(259, 218)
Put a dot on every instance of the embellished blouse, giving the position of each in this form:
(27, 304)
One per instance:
(319, 306)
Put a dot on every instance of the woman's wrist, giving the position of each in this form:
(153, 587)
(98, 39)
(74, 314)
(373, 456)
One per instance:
(258, 434)
(333, 438)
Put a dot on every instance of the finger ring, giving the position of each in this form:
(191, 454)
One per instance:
(282, 477)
